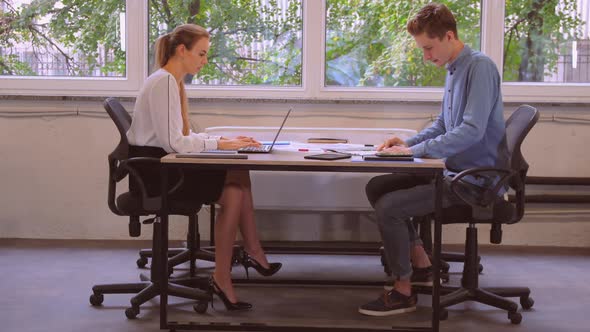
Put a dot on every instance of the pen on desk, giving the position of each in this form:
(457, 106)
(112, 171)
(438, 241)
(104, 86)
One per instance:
(369, 145)
(303, 150)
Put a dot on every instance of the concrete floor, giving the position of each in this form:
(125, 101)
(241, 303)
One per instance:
(46, 284)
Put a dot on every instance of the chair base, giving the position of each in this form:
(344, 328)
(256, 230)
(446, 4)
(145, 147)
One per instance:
(495, 297)
(470, 290)
(185, 288)
(150, 287)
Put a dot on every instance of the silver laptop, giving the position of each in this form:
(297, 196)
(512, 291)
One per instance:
(265, 148)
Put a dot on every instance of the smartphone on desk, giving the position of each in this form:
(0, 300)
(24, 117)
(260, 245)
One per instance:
(327, 156)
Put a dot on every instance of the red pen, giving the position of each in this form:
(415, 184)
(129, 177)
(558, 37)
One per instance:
(303, 150)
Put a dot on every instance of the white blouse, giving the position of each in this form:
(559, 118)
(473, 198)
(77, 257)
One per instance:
(157, 118)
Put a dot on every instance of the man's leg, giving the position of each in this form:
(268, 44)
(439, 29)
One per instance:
(393, 211)
(383, 184)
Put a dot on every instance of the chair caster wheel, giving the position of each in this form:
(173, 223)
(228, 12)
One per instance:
(443, 314)
(142, 262)
(132, 312)
(527, 302)
(444, 267)
(201, 307)
(515, 317)
(96, 299)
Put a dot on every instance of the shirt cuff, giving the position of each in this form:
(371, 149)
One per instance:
(410, 142)
(210, 144)
(418, 150)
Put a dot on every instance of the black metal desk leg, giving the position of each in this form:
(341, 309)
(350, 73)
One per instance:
(163, 280)
(436, 250)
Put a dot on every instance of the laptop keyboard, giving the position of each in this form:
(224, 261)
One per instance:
(263, 148)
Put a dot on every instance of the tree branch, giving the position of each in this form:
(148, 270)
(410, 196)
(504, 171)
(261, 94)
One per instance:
(37, 33)
(167, 12)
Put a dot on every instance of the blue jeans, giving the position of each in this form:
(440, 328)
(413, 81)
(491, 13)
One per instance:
(396, 199)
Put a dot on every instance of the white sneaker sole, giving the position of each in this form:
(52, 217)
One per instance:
(386, 313)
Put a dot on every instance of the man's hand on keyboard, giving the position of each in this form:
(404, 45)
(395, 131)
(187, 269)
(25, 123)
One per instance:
(393, 141)
(396, 150)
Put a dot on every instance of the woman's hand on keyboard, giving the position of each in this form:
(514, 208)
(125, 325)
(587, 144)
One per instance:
(236, 143)
(247, 139)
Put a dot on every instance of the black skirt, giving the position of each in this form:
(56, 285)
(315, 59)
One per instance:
(203, 186)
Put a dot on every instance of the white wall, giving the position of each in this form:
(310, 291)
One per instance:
(54, 169)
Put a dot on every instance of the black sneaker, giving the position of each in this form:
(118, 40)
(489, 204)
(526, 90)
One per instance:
(390, 303)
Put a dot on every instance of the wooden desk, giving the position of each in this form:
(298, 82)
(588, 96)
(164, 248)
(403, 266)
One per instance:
(289, 161)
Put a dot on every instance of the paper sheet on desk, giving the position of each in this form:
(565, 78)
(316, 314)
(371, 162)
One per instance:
(352, 149)
(353, 152)
(346, 148)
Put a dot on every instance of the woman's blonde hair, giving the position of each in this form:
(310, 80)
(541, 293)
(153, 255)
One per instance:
(187, 35)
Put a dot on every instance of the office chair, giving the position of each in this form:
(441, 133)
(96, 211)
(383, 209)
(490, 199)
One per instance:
(484, 205)
(139, 204)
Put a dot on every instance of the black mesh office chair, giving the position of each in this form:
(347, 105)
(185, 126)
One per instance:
(139, 204)
(483, 205)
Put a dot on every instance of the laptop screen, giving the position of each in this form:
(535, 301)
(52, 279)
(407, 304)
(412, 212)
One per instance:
(280, 128)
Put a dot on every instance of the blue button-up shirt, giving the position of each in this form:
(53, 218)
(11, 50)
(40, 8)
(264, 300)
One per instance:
(469, 132)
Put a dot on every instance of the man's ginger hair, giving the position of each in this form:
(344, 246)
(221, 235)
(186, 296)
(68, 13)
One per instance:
(435, 20)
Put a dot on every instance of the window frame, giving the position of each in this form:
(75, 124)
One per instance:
(93, 86)
(313, 72)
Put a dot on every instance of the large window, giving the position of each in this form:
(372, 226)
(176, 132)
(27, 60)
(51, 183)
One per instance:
(252, 42)
(367, 44)
(62, 38)
(547, 41)
(307, 49)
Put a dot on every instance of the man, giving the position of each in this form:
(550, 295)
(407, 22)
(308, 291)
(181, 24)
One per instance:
(469, 132)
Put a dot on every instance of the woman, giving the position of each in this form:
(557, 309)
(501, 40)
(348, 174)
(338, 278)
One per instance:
(161, 125)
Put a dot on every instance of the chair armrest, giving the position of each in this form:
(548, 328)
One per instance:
(480, 196)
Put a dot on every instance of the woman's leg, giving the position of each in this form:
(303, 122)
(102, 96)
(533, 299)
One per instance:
(247, 221)
(226, 225)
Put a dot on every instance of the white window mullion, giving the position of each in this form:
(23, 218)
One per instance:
(314, 41)
(492, 30)
(137, 44)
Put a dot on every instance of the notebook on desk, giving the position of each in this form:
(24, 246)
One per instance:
(265, 148)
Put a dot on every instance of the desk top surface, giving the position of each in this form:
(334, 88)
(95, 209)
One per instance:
(283, 160)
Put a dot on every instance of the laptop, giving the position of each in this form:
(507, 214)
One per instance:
(265, 148)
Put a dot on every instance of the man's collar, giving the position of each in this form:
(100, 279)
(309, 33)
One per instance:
(460, 58)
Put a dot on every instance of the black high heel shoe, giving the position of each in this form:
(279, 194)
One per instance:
(229, 306)
(249, 261)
